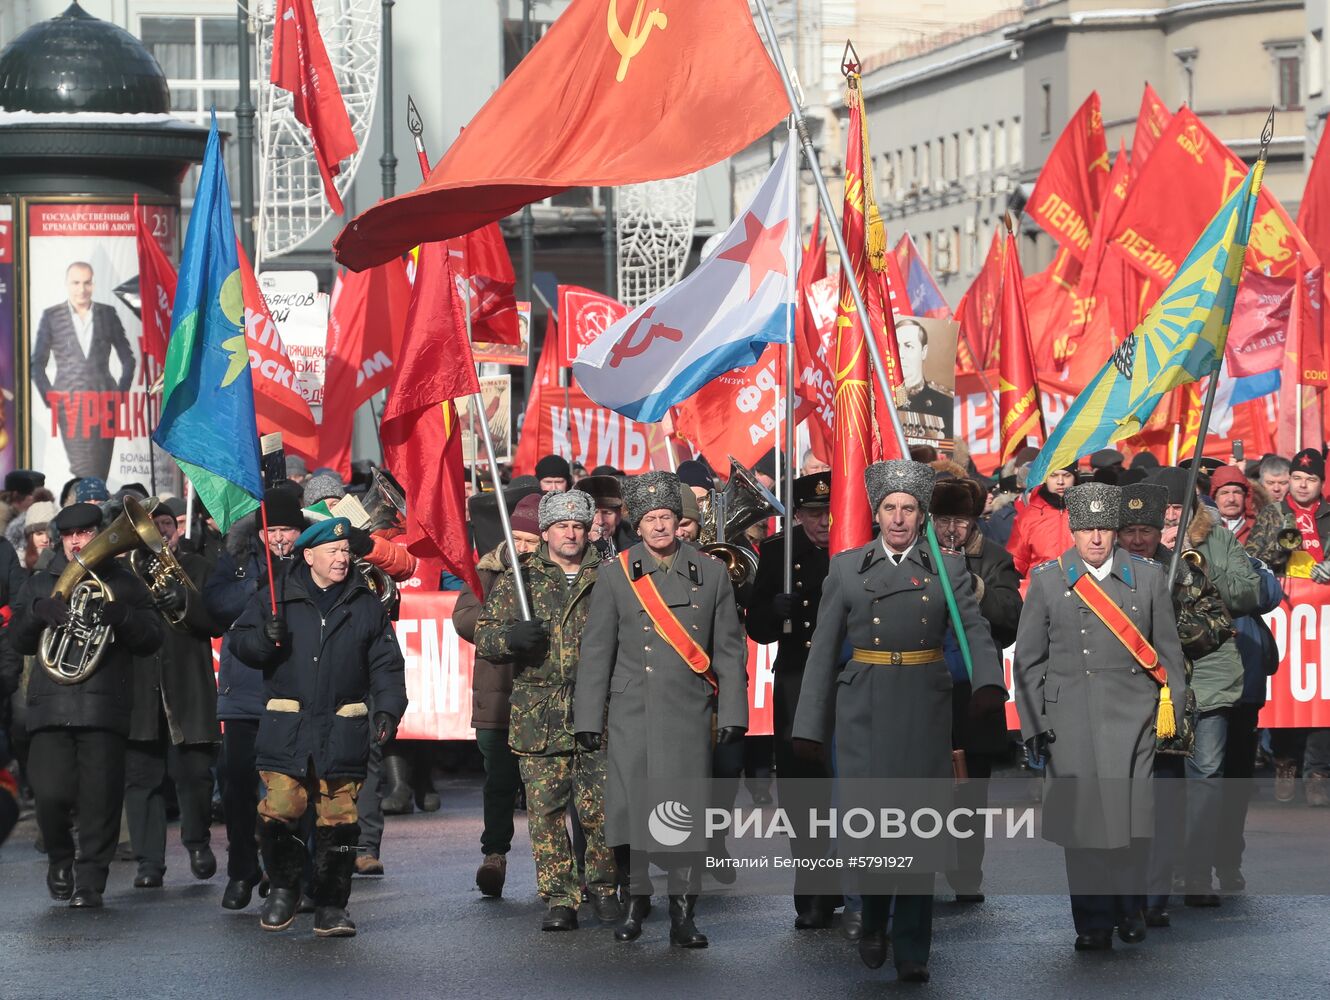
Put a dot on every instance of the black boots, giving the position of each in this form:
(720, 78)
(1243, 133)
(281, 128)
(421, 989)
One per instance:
(396, 778)
(60, 881)
(283, 858)
(631, 928)
(238, 892)
(334, 864)
(683, 932)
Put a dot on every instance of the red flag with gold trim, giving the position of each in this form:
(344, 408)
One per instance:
(977, 311)
(1151, 121)
(422, 441)
(1070, 188)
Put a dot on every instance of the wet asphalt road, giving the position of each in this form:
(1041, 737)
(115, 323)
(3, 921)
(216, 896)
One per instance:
(425, 931)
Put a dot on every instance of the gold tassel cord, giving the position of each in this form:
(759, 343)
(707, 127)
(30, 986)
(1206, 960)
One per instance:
(1165, 724)
(875, 231)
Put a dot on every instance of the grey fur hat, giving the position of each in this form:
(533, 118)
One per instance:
(1144, 503)
(322, 486)
(651, 491)
(1094, 505)
(899, 475)
(573, 505)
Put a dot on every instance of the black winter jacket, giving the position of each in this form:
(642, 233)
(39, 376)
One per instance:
(316, 690)
(105, 699)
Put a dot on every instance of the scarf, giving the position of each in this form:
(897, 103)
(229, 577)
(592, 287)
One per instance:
(1305, 519)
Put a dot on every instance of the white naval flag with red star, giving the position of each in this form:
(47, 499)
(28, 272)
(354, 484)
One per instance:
(719, 318)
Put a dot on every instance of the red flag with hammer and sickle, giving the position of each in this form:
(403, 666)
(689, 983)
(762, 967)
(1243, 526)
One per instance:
(616, 92)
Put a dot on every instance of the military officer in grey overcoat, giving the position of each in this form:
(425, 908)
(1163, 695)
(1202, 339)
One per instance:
(893, 699)
(661, 713)
(1088, 707)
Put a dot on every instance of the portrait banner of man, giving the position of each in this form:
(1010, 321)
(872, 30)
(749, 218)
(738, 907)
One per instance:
(928, 369)
(90, 410)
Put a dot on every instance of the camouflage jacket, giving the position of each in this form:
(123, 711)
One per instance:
(542, 714)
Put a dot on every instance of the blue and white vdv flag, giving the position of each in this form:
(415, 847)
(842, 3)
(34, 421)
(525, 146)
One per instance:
(720, 317)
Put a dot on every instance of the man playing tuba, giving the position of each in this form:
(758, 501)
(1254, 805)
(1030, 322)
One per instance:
(77, 755)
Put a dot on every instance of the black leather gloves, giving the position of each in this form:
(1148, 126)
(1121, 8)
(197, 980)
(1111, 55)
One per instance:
(730, 734)
(1036, 748)
(276, 632)
(52, 611)
(527, 637)
(173, 599)
(783, 605)
(360, 543)
(988, 699)
(588, 741)
(385, 727)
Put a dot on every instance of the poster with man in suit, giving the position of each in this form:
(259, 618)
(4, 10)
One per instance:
(90, 406)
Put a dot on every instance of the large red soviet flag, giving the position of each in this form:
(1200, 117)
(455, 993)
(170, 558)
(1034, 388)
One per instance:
(1067, 195)
(615, 93)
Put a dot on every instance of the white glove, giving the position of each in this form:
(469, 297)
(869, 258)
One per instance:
(1321, 571)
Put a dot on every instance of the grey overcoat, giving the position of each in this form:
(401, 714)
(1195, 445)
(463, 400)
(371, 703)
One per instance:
(660, 711)
(1074, 677)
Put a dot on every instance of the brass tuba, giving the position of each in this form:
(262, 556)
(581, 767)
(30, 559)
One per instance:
(727, 514)
(380, 584)
(71, 653)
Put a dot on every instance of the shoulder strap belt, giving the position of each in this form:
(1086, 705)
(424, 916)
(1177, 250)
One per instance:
(1117, 622)
(669, 627)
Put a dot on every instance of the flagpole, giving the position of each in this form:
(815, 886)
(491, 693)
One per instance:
(870, 341)
(791, 374)
(1193, 474)
(417, 129)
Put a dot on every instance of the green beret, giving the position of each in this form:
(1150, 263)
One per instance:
(334, 529)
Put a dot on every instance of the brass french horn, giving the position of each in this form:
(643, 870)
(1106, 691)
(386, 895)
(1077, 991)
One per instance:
(72, 653)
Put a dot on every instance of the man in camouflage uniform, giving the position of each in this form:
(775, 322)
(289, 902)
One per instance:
(557, 772)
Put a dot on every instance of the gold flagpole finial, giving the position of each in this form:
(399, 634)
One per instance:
(1268, 133)
(849, 60)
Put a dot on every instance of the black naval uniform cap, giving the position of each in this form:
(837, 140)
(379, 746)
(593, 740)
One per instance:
(812, 491)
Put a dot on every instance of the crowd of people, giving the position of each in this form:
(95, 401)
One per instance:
(614, 654)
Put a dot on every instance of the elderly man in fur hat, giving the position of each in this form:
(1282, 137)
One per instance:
(1099, 670)
(558, 772)
(664, 649)
(892, 702)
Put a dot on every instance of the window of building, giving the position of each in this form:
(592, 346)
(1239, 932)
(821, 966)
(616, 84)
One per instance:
(1187, 62)
(954, 166)
(968, 154)
(1286, 58)
(971, 246)
(1045, 108)
(954, 265)
(926, 165)
(1014, 137)
(200, 57)
(999, 146)
(927, 251)
(512, 40)
(912, 173)
(985, 150)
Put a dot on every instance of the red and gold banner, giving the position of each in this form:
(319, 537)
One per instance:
(1018, 389)
(1151, 121)
(977, 311)
(1070, 187)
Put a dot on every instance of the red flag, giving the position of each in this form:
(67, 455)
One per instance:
(736, 413)
(817, 348)
(1187, 178)
(812, 268)
(279, 405)
(1151, 121)
(156, 291)
(365, 330)
(854, 439)
(925, 298)
(1256, 336)
(482, 264)
(1019, 411)
(1067, 195)
(300, 64)
(583, 316)
(1314, 210)
(422, 441)
(597, 102)
(977, 311)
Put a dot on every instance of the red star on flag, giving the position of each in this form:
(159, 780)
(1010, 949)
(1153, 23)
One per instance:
(760, 250)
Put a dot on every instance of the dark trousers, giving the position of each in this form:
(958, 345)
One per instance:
(1166, 847)
(503, 780)
(147, 763)
(911, 917)
(1106, 885)
(79, 770)
(240, 797)
(370, 801)
(968, 876)
(1239, 766)
(801, 785)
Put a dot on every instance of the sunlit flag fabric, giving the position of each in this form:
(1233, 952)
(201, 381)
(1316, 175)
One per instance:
(1180, 340)
(719, 318)
(207, 422)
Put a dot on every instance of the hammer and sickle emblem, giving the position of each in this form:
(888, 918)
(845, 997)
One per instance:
(631, 44)
(625, 348)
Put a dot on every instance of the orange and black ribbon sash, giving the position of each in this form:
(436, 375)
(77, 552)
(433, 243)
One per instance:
(1122, 627)
(669, 627)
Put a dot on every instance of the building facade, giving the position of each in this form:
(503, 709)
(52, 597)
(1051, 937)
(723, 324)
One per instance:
(960, 131)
